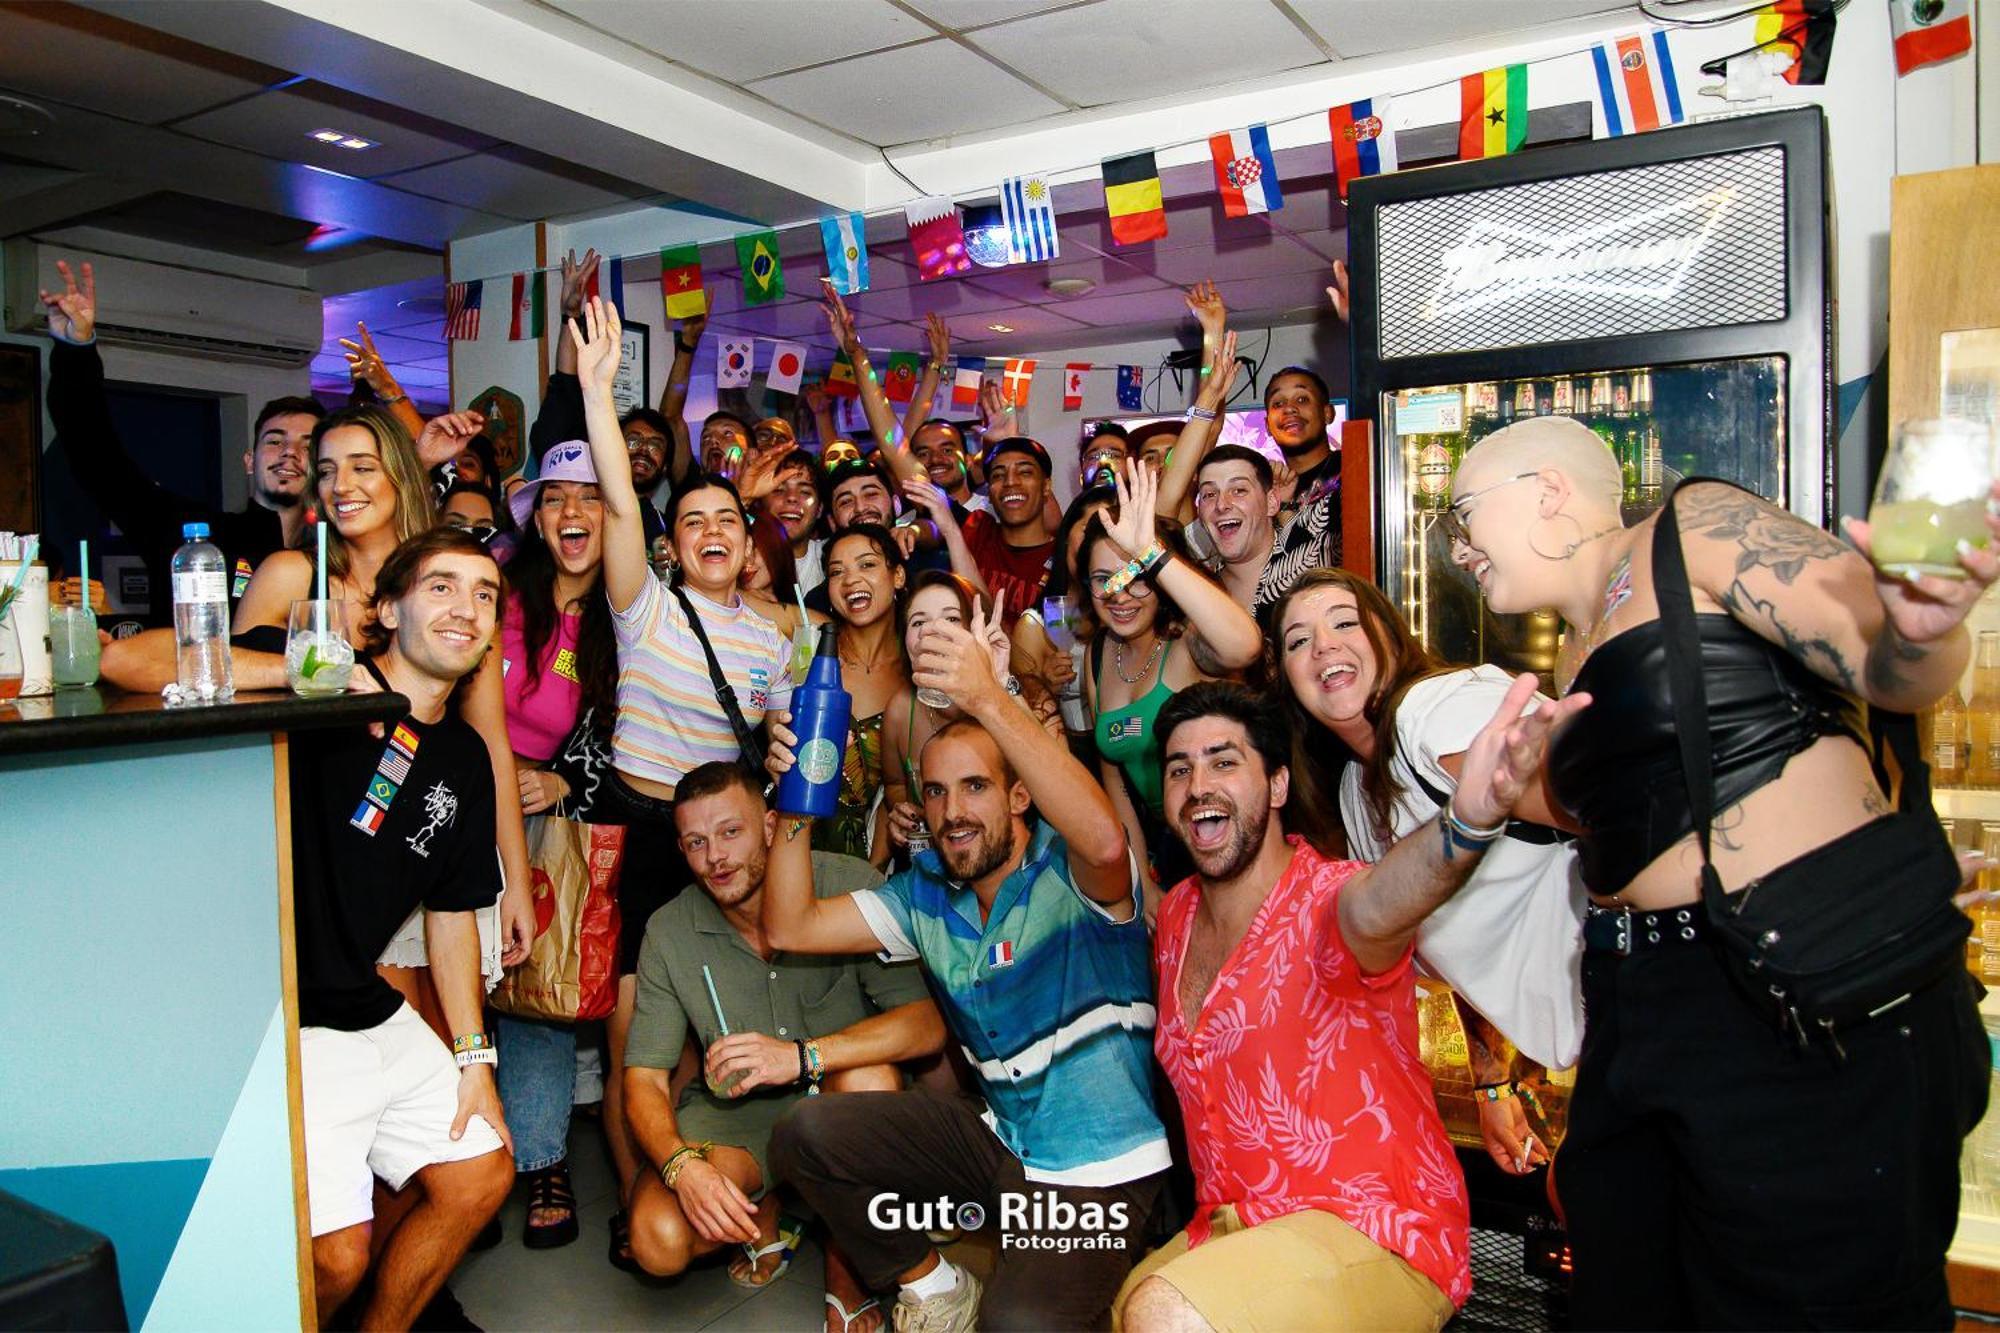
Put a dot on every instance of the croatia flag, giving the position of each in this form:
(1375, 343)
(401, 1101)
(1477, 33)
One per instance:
(1245, 173)
(1363, 143)
(965, 383)
(1636, 86)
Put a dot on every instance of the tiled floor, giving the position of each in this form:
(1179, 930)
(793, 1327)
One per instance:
(512, 1287)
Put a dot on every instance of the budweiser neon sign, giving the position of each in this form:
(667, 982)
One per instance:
(1643, 254)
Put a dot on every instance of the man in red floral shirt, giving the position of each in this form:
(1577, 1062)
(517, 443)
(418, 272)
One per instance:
(1327, 1195)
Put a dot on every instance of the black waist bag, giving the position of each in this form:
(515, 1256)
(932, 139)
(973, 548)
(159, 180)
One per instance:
(1850, 929)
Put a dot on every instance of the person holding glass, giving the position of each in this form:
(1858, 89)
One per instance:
(1718, 1171)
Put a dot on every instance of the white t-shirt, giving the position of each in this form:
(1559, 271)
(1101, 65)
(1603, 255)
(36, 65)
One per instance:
(1511, 940)
(811, 567)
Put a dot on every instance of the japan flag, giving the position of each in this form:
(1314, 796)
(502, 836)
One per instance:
(788, 367)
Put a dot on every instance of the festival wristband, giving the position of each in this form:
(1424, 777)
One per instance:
(1201, 413)
(1493, 1092)
(485, 1055)
(471, 1041)
(1144, 563)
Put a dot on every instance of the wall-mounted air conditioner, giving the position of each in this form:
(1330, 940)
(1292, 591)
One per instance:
(168, 308)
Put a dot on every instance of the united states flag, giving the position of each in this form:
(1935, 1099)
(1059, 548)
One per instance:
(461, 310)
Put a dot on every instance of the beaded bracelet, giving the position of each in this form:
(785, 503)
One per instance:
(670, 1170)
(1200, 414)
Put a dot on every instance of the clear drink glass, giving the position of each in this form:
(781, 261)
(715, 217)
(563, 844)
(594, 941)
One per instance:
(1931, 496)
(318, 657)
(73, 648)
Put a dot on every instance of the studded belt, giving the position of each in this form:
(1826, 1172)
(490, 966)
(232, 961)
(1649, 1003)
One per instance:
(1621, 931)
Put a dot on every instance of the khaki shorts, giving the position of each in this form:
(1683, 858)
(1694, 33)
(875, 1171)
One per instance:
(1306, 1270)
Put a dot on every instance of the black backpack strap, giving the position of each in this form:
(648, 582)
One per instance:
(746, 738)
(1682, 640)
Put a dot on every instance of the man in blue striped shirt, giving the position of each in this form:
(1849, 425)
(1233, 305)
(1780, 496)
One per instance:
(1038, 955)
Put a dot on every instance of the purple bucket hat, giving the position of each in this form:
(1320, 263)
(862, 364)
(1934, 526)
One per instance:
(568, 461)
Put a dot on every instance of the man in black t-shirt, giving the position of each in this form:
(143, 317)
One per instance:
(379, 826)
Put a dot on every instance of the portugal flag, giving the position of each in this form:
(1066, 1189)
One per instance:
(1493, 112)
(680, 282)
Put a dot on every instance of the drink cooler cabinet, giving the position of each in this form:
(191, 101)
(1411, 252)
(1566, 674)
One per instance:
(1668, 290)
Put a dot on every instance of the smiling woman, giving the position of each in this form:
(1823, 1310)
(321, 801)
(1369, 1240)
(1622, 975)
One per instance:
(864, 581)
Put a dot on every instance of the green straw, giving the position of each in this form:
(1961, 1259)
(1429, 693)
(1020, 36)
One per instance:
(714, 1000)
(319, 611)
(83, 570)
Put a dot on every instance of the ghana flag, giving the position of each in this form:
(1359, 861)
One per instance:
(1132, 199)
(1493, 112)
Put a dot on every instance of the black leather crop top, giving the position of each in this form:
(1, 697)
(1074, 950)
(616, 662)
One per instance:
(1617, 767)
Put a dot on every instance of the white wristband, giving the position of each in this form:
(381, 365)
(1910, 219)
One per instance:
(485, 1055)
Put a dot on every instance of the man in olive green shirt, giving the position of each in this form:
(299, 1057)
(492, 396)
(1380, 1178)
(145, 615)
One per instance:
(788, 1023)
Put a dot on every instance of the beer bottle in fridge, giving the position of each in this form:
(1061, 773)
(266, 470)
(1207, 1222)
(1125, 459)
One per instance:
(1983, 714)
(1950, 728)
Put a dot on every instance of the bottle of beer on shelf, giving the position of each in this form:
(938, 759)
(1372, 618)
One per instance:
(1524, 400)
(1986, 922)
(1651, 468)
(1982, 767)
(1434, 464)
(1562, 400)
(1482, 410)
(1950, 730)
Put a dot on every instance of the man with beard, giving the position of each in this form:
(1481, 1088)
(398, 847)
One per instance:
(796, 1024)
(940, 447)
(1323, 1178)
(1035, 947)
(150, 516)
(1014, 544)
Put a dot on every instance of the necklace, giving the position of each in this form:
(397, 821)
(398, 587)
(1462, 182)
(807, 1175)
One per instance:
(1617, 592)
(1159, 646)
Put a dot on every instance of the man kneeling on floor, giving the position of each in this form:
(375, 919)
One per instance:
(380, 825)
(1326, 1192)
(775, 1027)
(1032, 937)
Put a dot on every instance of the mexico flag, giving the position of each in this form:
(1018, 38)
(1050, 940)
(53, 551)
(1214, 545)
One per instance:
(1928, 31)
(1493, 112)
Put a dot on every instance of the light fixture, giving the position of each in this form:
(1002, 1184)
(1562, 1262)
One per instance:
(1068, 286)
(341, 139)
(1001, 328)
(22, 118)
(985, 236)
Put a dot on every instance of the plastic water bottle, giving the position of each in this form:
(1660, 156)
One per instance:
(821, 710)
(201, 618)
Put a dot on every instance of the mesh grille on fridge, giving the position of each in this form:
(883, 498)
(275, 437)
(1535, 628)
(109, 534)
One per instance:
(1697, 243)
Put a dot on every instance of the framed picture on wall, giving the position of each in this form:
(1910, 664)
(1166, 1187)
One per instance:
(20, 438)
(632, 388)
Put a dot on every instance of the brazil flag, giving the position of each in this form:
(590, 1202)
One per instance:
(763, 275)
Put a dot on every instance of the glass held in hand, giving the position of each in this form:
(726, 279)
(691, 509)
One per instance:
(73, 647)
(318, 658)
(1930, 496)
(727, 1085)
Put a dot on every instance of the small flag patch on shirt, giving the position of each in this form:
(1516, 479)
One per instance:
(381, 791)
(1001, 954)
(395, 766)
(405, 739)
(368, 818)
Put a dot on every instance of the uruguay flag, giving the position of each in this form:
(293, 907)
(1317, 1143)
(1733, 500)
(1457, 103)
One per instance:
(845, 239)
(1636, 87)
(1363, 143)
(1245, 173)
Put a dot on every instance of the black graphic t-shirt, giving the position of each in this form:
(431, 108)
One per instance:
(380, 826)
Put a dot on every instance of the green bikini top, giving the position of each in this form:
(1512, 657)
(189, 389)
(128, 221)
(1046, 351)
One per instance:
(1128, 737)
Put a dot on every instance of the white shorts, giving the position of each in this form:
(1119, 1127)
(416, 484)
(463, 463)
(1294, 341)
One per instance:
(407, 948)
(377, 1103)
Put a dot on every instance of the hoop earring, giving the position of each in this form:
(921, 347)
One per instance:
(1568, 550)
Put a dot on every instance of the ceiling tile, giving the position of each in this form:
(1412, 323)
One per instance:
(1370, 27)
(281, 124)
(1329, 245)
(1120, 50)
(1265, 256)
(495, 184)
(116, 68)
(1106, 312)
(947, 296)
(971, 331)
(1028, 283)
(959, 15)
(756, 39)
(1300, 294)
(786, 319)
(870, 96)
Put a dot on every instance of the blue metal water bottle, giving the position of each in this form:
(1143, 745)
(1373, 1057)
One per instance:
(821, 710)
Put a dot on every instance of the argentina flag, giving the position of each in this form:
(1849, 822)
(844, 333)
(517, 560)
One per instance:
(845, 238)
(1028, 211)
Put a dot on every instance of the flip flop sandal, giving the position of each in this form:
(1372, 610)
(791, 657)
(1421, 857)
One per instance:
(620, 1252)
(549, 1190)
(847, 1319)
(790, 1233)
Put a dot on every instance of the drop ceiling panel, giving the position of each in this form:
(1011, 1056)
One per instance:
(1302, 292)
(1370, 27)
(1105, 312)
(788, 319)
(45, 54)
(877, 98)
(281, 124)
(741, 42)
(495, 184)
(1023, 321)
(1267, 256)
(1122, 50)
(1028, 283)
(947, 296)
(962, 14)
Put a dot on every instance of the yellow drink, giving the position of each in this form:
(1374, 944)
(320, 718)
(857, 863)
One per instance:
(1914, 537)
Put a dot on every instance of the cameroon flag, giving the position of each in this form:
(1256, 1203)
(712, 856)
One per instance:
(1132, 199)
(763, 276)
(1493, 112)
(680, 282)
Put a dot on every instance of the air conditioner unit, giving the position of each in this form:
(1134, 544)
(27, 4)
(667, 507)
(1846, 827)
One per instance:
(167, 308)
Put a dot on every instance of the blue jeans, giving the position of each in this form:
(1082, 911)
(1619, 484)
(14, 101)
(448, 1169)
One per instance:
(537, 1078)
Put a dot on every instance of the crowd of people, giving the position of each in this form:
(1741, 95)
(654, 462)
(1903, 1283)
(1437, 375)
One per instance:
(1150, 816)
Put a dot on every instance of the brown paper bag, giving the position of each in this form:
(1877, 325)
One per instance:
(571, 972)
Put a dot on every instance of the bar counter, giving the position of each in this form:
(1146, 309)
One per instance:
(150, 1031)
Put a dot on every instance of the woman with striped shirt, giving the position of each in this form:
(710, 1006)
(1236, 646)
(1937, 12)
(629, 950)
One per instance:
(670, 720)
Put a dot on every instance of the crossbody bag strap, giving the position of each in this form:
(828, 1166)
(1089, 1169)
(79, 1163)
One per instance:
(1682, 640)
(724, 691)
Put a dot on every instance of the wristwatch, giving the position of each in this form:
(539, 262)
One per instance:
(1012, 684)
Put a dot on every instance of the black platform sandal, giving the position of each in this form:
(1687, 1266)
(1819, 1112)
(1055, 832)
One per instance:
(549, 1191)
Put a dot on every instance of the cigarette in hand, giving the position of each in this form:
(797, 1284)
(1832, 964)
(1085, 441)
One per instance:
(1528, 1146)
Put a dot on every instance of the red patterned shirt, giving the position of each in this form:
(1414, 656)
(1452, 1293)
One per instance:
(1301, 1086)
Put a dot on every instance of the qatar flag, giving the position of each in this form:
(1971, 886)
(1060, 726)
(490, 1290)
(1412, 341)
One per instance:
(788, 367)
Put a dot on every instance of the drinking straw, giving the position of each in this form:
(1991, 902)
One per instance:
(712, 999)
(805, 616)
(83, 570)
(319, 609)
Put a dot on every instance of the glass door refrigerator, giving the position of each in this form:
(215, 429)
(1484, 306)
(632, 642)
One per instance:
(1668, 290)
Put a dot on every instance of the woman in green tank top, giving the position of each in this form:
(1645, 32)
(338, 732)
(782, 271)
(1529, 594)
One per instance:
(1142, 654)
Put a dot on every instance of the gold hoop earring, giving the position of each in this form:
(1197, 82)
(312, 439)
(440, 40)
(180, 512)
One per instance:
(1567, 551)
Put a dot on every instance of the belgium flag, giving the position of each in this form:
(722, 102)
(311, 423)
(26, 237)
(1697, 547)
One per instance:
(1132, 199)
(1493, 112)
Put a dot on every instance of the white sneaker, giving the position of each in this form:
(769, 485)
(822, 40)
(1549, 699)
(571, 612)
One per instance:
(957, 1311)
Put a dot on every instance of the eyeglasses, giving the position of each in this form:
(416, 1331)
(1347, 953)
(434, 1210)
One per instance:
(1455, 517)
(1139, 588)
(650, 443)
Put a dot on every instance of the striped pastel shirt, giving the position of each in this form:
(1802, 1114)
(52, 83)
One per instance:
(1052, 1001)
(669, 719)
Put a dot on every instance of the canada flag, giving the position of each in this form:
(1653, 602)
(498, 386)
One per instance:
(1073, 374)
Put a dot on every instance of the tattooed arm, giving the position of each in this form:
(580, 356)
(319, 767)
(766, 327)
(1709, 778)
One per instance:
(1891, 644)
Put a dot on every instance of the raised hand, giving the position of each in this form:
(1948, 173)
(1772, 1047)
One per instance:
(931, 498)
(1925, 609)
(72, 311)
(1206, 304)
(575, 278)
(444, 436)
(1284, 482)
(1507, 753)
(957, 660)
(1136, 526)
(597, 345)
(1337, 293)
(817, 399)
(689, 332)
(759, 476)
(839, 322)
(938, 335)
(993, 410)
(1219, 376)
(365, 363)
